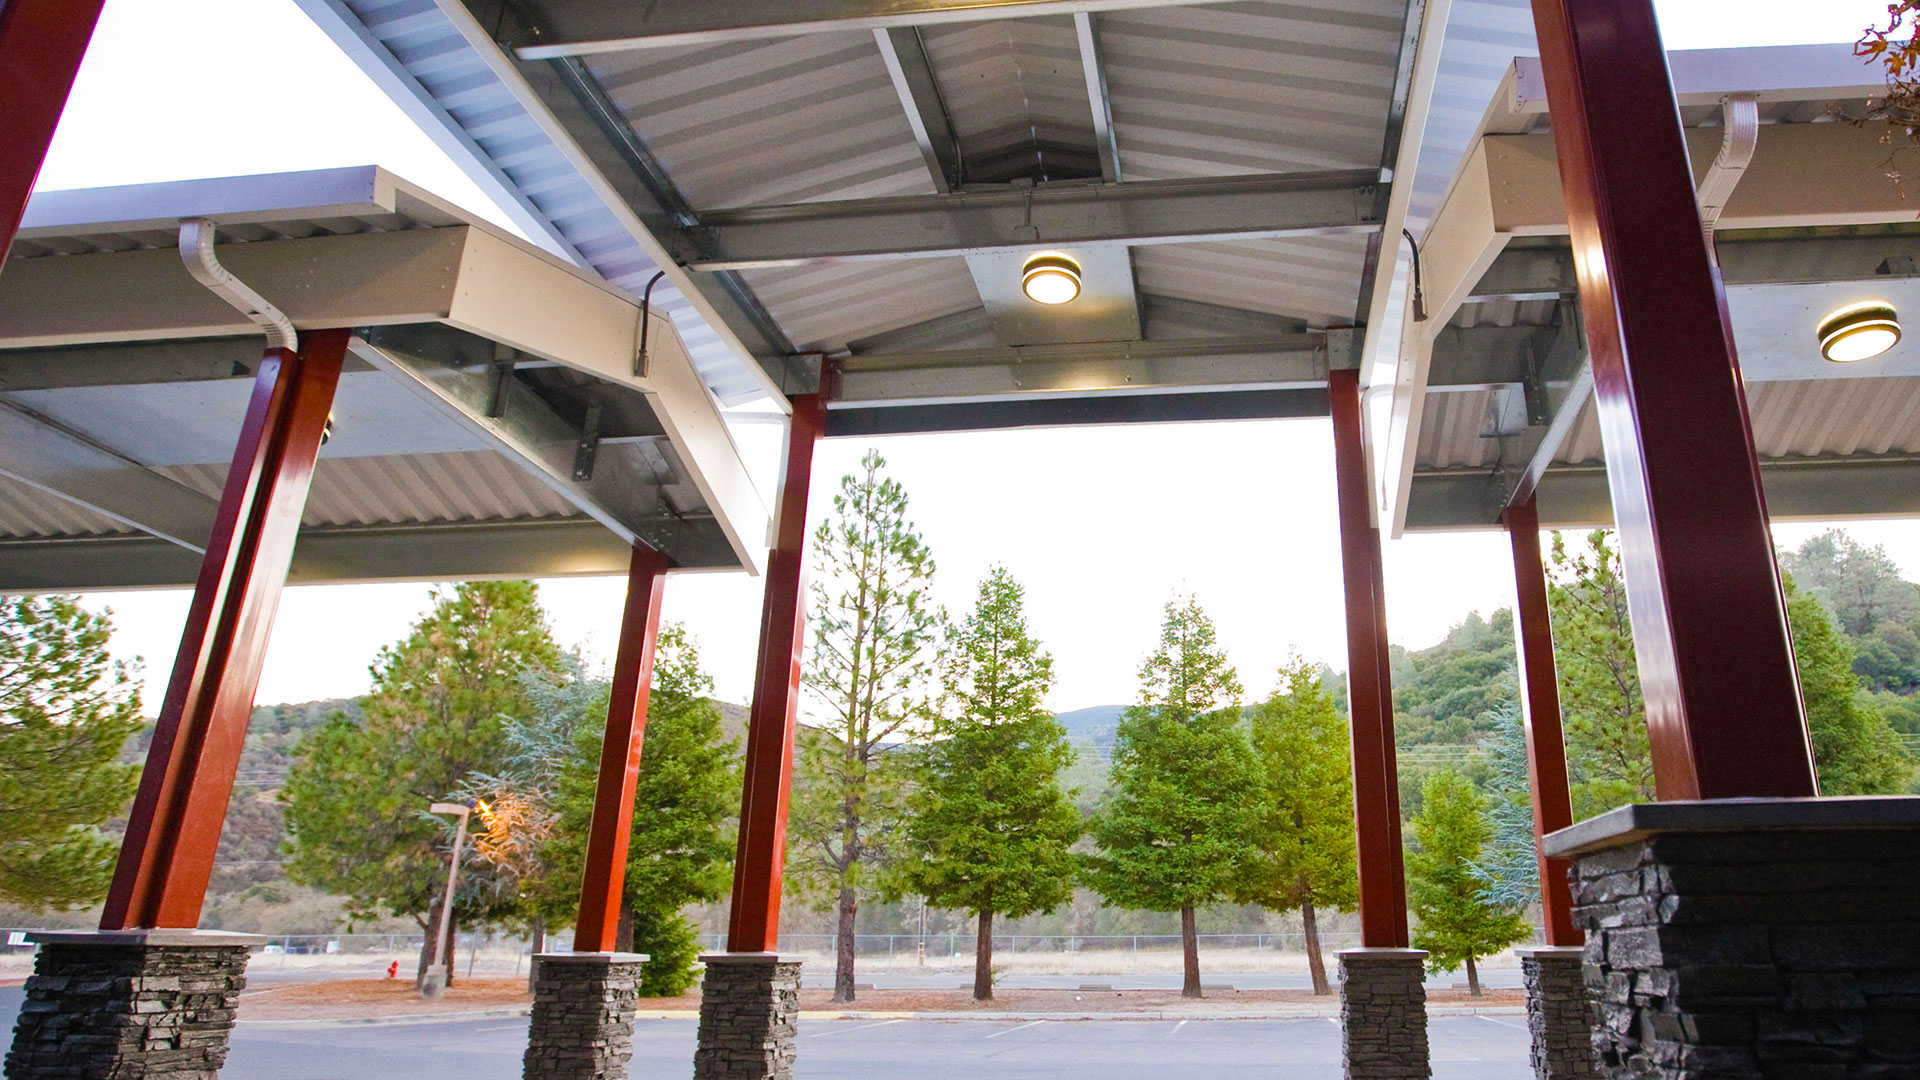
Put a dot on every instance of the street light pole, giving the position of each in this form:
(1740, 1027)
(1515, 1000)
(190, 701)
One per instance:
(436, 980)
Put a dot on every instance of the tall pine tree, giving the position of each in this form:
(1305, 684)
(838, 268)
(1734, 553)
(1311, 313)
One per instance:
(680, 848)
(991, 830)
(1459, 921)
(871, 663)
(357, 796)
(1303, 851)
(1608, 758)
(66, 711)
(1174, 835)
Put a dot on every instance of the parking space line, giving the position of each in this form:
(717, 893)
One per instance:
(1011, 1030)
(1502, 1023)
(1177, 1027)
(862, 1027)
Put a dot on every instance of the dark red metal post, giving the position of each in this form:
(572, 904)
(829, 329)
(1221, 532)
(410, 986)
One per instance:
(1376, 792)
(761, 856)
(41, 45)
(1540, 704)
(174, 826)
(606, 872)
(1709, 619)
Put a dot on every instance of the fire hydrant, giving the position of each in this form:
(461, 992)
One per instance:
(393, 970)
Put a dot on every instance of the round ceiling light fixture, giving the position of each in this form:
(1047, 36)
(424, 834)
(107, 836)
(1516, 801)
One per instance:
(1050, 278)
(1859, 332)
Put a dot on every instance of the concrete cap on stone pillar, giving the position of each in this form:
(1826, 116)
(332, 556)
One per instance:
(1370, 953)
(748, 958)
(167, 937)
(592, 957)
(1552, 952)
(1638, 821)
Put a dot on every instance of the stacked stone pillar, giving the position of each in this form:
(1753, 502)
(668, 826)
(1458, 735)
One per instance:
(1743, 939)
(136, 1003)
(1557, 1013)
(1383, 1014)
(749, 1008)
(582, 1025)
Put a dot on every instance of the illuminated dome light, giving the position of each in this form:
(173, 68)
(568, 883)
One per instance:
(1051, 279)
(1859, 332)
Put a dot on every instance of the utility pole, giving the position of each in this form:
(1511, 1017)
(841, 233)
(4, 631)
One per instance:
(436, 981)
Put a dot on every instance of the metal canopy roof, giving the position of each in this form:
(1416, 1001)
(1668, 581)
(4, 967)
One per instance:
(493, 419)
(1495, 398)
(860, 182)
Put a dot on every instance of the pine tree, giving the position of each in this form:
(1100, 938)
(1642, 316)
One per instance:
(680, 848)
(991, 830)
(1459, 921)
(1303, 851)
(871, 661)
(357, 796)
(1511, 869)
(1174, 834)
(1855, 751)
(1604, 715)
(66, 712)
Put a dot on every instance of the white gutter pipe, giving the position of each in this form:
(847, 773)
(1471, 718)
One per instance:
(196, 251)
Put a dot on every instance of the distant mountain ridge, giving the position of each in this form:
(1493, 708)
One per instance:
(1095, 724)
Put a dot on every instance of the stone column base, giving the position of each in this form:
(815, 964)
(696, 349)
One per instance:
(749, 1005)
(1751, 938)
(135, 1003)
(1557, 1014)
(582, 1025)
(1383, 1014)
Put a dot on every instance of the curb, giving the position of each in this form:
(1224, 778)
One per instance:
(383, 1021)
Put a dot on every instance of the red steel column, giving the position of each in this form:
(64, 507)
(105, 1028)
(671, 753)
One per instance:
(1376, 784)
(175, 822)
(1540, 704)
(1709, 619)
(41, 44)
(761, 857)
(606, 872)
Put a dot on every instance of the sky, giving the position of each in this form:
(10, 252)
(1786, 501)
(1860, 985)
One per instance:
(1103, 525)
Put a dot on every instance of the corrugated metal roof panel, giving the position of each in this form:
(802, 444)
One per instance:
(1251, 87)
(1018, 97)
(1313, 278)
(429, 48)
(773, 121)
(1823, 418)
(413, 489)
(27, 511)
(825, 305)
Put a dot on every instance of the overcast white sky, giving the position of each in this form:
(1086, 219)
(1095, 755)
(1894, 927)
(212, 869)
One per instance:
(1101, 524)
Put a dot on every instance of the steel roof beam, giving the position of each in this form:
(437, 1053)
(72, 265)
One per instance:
(1535, 273)
(1132, 367)
(906, 58)
(1273, 404)
(1098, 99)
(580, 27)
(1576, 496)
(44, 455)
(1010, 219)
(438, 366)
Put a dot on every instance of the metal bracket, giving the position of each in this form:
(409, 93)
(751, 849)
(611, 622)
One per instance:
(1534, 387)
(1343, 348)
(1366, 201)
(499, 380)
(588, 447)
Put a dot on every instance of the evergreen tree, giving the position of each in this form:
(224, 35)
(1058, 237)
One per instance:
(1511, 869)
(1302, 855)
(66, 711)
(1458, 920)
(1854, 749)
(680, 848)
(991, 830)
(357, 796)
(1174, 834)
(1861, 585)
(1609, 760)
(870, 662)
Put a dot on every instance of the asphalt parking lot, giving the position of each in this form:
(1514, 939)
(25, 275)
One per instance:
(1464, 1048)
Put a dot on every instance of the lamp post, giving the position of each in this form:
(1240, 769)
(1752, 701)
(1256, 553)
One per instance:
(436, 980)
